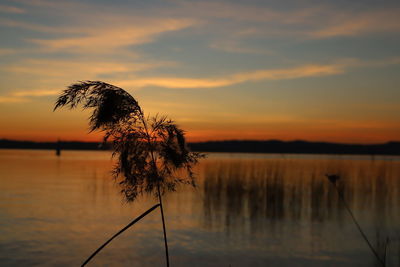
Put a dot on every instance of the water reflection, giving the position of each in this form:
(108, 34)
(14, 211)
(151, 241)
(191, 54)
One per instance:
(248, 210)
(272, 191)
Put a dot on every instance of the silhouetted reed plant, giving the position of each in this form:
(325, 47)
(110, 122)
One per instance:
(150, 150)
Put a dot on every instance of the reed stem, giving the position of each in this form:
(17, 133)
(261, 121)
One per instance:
(163, 223)
(382, 262)
(120, 232)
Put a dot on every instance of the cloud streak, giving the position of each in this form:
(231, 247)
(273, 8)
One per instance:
(12, 99)
(302, 71)
(319, 22)
(350, 24)
(309, 70)
(104, 39)
(8, 51)
(35, 27)
(78, 67)
(11, 9)
(233, 46)
(34, 93)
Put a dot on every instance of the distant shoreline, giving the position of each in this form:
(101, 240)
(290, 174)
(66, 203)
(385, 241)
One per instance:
(233, 146)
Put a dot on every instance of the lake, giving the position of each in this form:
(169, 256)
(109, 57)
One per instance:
(247, 210)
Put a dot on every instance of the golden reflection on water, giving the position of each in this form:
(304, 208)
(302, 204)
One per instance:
(296, 189)
(246, 210)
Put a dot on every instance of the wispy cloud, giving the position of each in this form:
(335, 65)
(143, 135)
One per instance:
(100, 30)
(234, 46)
(65, 6)
(51, 74)
(353, 24)
(8, 51)
(116, 31)
(245, 12)
(12, 99)
(26, 95)
(20, 94)
(302, 71)
(78, 68)
(319, 22)
(312, 70)
(35, 27)
(108, 38)
(11, 9)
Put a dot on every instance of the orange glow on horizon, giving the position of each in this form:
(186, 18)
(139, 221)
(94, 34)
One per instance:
(319, 135)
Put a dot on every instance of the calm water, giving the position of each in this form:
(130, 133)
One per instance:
(247, 210)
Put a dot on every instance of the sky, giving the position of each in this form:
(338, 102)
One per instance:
(222, 70)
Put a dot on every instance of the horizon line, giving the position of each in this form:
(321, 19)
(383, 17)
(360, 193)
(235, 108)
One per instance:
(224, 140)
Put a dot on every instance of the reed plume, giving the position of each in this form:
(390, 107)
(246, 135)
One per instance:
(151, 152)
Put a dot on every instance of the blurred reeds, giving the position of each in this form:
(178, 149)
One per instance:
(246, 195)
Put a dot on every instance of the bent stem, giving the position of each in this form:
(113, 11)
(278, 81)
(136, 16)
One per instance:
(120, 232)
(163, 223)
(382, 262)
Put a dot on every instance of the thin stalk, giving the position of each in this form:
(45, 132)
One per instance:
(385, 252)
(163, 224)
(120, 232)
(158, 186)
(358, 226)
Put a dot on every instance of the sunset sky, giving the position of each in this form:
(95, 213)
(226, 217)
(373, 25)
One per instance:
(310, 70)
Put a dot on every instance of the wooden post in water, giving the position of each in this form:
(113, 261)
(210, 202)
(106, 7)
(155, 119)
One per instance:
(58, 148)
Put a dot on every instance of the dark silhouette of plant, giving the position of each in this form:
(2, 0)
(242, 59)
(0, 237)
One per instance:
(333, 178)
(120, 232)
(151, 151)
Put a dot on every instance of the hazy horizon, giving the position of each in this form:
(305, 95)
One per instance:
(211, 140)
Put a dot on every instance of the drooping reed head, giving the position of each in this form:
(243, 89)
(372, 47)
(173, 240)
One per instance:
(111, 105)
(332, 178)
(151, 151)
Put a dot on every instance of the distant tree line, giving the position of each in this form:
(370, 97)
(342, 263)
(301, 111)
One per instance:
(245, 146)
(67, 145)
(297, 147)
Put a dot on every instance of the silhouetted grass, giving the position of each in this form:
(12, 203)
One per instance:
(150, 150)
